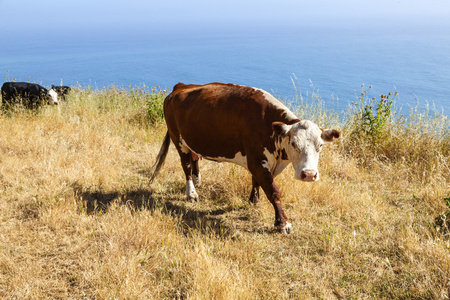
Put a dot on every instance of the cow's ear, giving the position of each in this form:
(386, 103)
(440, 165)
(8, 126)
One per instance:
(329, 135)
(280, 128)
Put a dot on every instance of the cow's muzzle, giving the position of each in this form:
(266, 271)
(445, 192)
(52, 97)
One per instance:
(309, 175)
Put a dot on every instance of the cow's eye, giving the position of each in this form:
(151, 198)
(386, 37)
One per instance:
(294, 145)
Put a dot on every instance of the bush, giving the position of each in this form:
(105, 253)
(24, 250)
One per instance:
(154, 102)
(375, 132)
(371, 120)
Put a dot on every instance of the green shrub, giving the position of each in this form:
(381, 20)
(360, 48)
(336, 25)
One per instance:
(371, 119)
(154, 103)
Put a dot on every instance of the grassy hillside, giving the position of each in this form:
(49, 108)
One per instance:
(79, 220)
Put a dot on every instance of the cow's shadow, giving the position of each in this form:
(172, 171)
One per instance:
(220, 221)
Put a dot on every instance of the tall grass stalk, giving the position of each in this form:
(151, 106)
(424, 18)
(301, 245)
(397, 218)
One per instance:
(310, 106)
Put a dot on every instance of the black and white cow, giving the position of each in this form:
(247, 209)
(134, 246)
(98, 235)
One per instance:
(61, 90)
(30, 95)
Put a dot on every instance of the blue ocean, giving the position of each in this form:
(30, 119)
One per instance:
(331, 63)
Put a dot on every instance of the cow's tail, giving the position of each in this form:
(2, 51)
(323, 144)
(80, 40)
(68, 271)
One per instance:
(161, 156)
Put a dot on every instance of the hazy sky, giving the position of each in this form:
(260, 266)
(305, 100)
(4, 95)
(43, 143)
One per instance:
(54, 15)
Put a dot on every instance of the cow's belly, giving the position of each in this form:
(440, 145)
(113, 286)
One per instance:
(237, 158)
(270, 163)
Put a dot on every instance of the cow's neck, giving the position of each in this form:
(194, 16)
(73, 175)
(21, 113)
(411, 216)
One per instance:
(278, 158)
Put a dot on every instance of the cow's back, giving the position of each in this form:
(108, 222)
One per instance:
(7, 91)
(10, 90)
(29, 93)
(219, 120)
(22, 88)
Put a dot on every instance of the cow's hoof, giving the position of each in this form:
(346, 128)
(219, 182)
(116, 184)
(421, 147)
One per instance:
(193, 198)
(286, 229)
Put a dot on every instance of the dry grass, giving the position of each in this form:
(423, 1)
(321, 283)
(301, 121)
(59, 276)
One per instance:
(78, 219)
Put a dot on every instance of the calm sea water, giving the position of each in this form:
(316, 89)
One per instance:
(333, 63)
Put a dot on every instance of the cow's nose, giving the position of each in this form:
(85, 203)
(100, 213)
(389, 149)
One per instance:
(308, 175)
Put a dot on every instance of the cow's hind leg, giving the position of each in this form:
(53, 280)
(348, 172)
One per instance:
(188, 164)
(196, 177)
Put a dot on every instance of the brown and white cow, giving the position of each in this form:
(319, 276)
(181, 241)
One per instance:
(246, 126)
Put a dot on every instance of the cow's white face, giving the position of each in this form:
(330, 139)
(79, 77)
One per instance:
(52, 97)
(303, 142)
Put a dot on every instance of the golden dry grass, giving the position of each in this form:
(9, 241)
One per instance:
(79, 220)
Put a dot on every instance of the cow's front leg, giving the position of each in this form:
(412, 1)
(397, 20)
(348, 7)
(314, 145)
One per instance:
(265, 179)
(254, 196)
(281, 220)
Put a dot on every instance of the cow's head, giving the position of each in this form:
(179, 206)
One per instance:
(304, 141)
(52, 97)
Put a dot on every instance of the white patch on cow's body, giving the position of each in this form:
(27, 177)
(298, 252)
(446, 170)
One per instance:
(277, 104)
(238, 159)
(274, 164)
(54, 97)
(191, 193)
(266, 165)
(183, 146)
